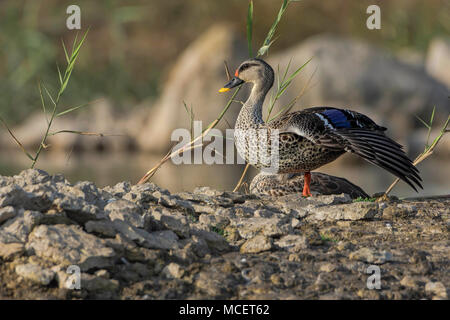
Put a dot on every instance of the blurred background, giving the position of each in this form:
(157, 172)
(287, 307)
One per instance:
(143, 60)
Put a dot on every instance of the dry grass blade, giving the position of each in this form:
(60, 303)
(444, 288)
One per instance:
(227, 71)
(238, 186)
(425, 154)
(167, 157)
(190, 145)
(76, 108)
(16, 140)
(84, 133)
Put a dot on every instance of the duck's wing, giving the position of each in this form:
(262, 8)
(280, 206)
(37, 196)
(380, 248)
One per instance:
(354, 132)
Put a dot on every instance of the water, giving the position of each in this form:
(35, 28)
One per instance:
(110, 168)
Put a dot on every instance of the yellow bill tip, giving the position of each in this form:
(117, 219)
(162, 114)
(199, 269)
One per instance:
(224, 90)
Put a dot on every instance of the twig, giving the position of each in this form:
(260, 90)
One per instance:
(83, 133)
(188, 146)
(242, 178)
(227, 71)
(425, 154)
(16, 140)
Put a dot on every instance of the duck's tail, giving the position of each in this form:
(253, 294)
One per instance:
(382, 151)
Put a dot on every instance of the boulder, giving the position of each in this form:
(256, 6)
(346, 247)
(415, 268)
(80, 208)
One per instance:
(69, 245)
(195, 78)
(437, 62)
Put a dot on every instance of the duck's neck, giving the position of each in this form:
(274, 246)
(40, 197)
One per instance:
(250, 115)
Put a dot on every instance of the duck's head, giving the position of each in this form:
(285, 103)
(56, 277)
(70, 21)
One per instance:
(255, 70)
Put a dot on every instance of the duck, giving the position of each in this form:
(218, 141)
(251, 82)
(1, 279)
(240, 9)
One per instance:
(276, 185)
(305, 140)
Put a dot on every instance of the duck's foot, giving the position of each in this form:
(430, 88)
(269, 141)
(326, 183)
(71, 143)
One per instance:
(306, 189)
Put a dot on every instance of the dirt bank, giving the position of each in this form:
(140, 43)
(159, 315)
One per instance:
(142, 242)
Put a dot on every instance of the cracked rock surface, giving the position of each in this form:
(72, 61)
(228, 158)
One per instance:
(143, 242)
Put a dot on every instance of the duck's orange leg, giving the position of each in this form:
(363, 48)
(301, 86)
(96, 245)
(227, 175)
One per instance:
(306, 189)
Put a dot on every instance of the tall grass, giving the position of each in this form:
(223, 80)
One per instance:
(54, 99)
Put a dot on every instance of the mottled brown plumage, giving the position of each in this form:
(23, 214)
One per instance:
(321, 183)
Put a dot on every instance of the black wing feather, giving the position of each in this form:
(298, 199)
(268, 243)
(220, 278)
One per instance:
(382, 151)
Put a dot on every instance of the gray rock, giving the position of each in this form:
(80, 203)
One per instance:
(199, 246)
(9, 251)
(174, 202)
(174, 221)
(119, 190)
(269, 227)
(327, 267)
(409, 281)
(92, 194)
(215, 220)
(95, 283)
(69, 245)
(16, 196)
(257, 244)
(104, 228)
(76, 207)
(21, 226)
(215, 241)
(6, 213)
(35, 273)
(438, 60)
(292, 242)
(166, 234)
(371, 256)
(353, 211)
(126, 211)
(102, 274)
(437, 289)
(33, 176)
(143, 193)
(173, 270)
(6, 237)
(144, 238)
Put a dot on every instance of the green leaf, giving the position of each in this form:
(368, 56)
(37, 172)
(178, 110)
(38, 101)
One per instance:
(49, 95)
(74, 108)
(42, 101)
(263, 50)
(432, 116)
(59, 74)
(65, 51)
(250, 28)
(268, 41)
(423, 122)
(16, 140)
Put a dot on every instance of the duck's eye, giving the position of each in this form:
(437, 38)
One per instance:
(243, 67)
(246, 66)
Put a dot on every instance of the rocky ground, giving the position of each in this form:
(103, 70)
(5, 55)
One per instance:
(142, 242)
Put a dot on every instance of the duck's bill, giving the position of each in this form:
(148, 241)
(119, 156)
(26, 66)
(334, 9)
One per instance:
(234, 82)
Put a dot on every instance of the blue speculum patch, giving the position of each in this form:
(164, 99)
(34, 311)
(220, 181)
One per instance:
(337, 118)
